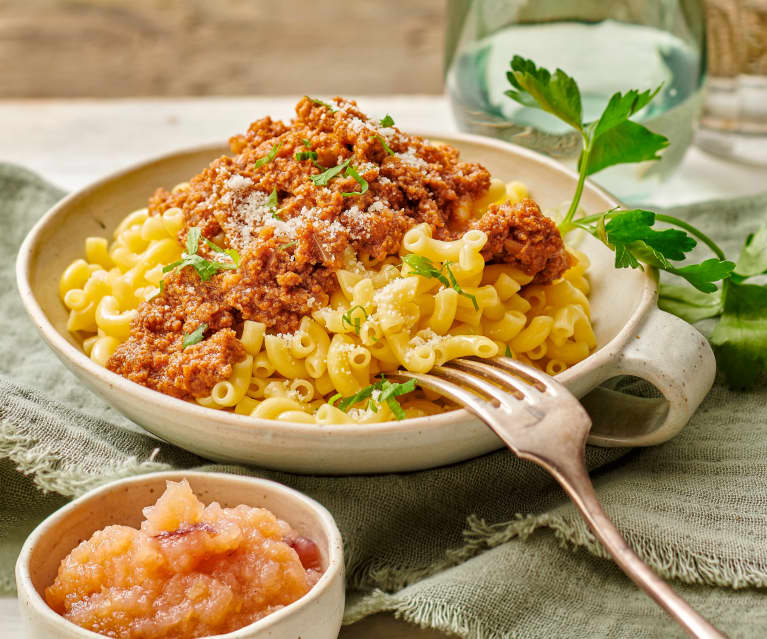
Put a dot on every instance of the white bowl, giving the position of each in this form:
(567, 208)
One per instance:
(317, 614)
(634, 338)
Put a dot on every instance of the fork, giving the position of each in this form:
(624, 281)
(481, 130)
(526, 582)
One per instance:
(551, 431)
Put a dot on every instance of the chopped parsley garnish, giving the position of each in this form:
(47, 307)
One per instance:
(424, 267)
(205, 268)
(508, 351)
(306, 142)
(195, 337)
(383, 143)
(353, 322)
(387, 121)
(268, 157)
(160, 290)
(287, 245)
(352, 172)
(388, 394)
(309, 155)
(272, 203)
(321, 103)
(322, 179)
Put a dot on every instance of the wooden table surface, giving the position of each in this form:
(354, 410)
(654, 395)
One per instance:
(73, 142)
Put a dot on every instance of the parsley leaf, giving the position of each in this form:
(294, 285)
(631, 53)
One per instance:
(424, 267)
(306, 142)
(205, 268)
(508, 352)
(234, 255)
(383, 143)
(268, 157)
(322, 179)
(287, 245)
(321, 103)
(353, 322)
(195, 337)
(536, 87)
(688, 303)
(272, 203)
(753, 256)
(740, 338)
(631, 226)
(352, 172)
(624, 143)
(387, 121)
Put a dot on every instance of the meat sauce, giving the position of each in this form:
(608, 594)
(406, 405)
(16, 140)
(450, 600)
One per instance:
(386, 183)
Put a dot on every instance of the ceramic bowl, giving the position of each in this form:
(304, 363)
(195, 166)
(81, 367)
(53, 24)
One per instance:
(317, 614)
(634, 338)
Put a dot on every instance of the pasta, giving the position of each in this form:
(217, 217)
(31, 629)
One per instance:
(436, 300)
(387, 318)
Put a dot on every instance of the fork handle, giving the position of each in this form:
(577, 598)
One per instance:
(575, 480)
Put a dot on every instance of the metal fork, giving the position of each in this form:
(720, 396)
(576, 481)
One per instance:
(551, 432)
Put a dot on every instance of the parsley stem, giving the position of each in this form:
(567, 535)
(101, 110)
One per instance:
(668, 219)
(583, 163)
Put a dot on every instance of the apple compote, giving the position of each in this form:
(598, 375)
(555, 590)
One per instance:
(190, 571)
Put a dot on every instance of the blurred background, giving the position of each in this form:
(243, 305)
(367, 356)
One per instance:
(118, 48)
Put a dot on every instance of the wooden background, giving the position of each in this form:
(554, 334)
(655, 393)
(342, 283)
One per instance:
(113, 48)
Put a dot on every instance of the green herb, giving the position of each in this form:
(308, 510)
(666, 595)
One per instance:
(272, 203)
(287, 245)
(322, 179)
(424, 267)
(352, 172)
(160, 290)
(321, 103)
(387, 121)
(372, 406)
(388, 394)
(334, 398)
(195, 337)
(309, 155)
(306, 142)
(234, 255)
(383, 143)
(205, 268)
(268, 157)
(740, 336)
(353, 322)
(508, 352)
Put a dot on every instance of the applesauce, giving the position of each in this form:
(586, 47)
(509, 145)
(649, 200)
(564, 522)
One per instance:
(190, 571)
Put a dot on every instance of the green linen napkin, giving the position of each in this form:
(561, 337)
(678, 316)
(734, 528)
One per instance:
(488, 548)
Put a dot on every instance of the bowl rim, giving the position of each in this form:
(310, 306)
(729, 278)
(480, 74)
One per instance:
(602, 358)
(334, 570)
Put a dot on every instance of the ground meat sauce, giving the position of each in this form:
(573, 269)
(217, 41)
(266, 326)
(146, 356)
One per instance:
(289, 255)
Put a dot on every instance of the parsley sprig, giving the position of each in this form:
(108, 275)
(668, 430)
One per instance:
(321, 103)
(205, 268)
(424, 267)
(389, 391)
(740, 305)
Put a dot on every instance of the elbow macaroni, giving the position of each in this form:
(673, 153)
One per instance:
(378, 320)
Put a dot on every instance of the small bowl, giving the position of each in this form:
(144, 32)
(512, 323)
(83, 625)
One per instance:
(317, 614)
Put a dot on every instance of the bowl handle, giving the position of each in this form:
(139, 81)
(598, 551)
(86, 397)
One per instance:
(674, 357)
